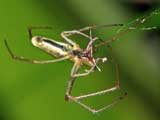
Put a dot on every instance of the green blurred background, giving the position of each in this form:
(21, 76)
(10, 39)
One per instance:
(36, 92)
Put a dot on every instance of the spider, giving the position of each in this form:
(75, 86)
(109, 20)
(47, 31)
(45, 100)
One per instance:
(72, 51)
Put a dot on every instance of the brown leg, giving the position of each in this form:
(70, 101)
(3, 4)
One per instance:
(20, 58)
(69, 97)
(66, 34)
(99, 26)
(36, 27)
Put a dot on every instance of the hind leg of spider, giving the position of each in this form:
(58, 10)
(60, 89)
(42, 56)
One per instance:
(36, 27)
(20, 58)
(115, 87)
(69, 97)
(93, 110)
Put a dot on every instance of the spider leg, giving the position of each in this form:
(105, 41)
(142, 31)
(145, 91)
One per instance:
(74, 70)
(130, 27)
(69, 97)
(99, 26)
(73, 74)
(93, 110)
(66, 34)
(30, 28)
(139, 21)
(36, 27)
(20, 58)
(115, 87)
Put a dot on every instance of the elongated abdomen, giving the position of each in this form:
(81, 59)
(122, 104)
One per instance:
(57, 49)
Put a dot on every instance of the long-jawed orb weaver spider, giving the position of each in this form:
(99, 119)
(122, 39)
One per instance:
(73, 52)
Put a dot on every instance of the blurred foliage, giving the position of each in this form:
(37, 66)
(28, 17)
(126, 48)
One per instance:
(36, 92)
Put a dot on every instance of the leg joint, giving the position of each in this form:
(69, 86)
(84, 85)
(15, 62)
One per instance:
(66, 97)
